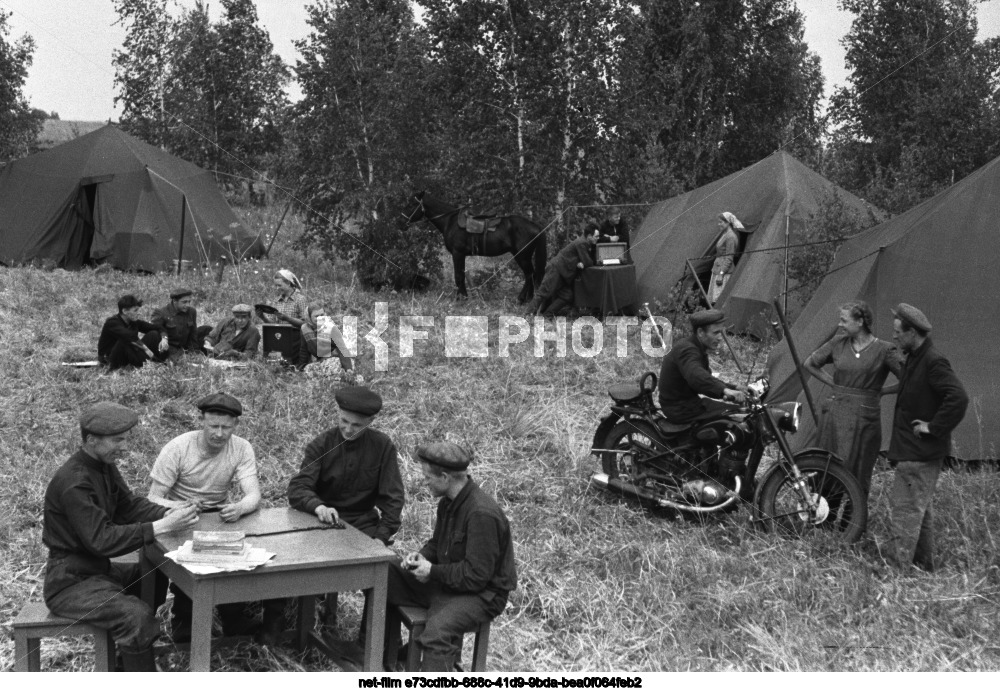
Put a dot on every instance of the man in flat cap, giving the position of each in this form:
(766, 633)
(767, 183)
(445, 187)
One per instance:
(685, 374)
(554, 295)
(234, 337)
(930, 404)
(177, 322)
(91, 516)
(351, 473)
(119, 345)
(465, 572)
(197, 469)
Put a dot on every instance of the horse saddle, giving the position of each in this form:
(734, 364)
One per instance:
(477, 224)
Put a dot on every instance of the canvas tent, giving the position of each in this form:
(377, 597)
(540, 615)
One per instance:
(774, 199)
(109, 197)
(941, 257)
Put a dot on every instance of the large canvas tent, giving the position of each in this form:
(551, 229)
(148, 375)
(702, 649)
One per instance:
(775, 198)
(107, 197)
(941, 257)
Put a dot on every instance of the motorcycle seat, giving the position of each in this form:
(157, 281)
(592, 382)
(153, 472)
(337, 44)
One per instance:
(668, 428)
(625, 393)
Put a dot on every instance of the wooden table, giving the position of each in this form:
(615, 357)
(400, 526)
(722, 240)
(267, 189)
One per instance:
(309, 561)
(610, 289)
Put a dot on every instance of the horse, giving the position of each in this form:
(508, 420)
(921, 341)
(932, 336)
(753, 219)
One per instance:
(517, 235)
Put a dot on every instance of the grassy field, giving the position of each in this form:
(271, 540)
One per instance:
(603, 584)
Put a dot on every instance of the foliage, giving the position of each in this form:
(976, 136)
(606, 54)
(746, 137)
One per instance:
(833, 223)
(921, 108)
(19, 123)
(364, 125)
(209, 92)
(721, 84)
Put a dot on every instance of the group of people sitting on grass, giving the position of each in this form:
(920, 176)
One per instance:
(128, 341)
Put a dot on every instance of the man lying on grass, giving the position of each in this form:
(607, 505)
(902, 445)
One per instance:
(234, 337)
(91, 516)
(196, 469)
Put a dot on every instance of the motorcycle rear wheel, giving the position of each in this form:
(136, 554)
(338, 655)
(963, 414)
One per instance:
(629, 439)
(844, 507)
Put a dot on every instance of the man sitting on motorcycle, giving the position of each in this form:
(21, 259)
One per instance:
(685, 374)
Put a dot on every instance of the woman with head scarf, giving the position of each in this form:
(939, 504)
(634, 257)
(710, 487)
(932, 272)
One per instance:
(322, 339)
(850, 422)
(292, 304)
(725, 253)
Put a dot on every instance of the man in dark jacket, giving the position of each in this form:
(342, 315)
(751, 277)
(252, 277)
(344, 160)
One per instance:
(119, 345)
(465, 572)
(684, 374)
(614, 229)
(234, 337)
(931, 403)
(555, 293)
(177, 322)
(349, 473)
(91, 516)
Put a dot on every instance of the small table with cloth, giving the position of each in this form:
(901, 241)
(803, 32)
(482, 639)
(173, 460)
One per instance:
(609, 289)
(310, 559)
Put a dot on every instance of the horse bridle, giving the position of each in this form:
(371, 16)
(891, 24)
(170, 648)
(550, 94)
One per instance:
(420, 207)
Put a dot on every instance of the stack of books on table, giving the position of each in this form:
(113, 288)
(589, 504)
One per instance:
(215, 548)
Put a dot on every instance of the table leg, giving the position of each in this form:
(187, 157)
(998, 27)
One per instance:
(203, 603)
(376, 598)
(307, 621)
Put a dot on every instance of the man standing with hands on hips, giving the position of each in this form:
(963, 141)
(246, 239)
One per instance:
(465, 572)
(931, 403)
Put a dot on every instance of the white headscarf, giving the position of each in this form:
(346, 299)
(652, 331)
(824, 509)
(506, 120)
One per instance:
(731, 219)
(294, 280)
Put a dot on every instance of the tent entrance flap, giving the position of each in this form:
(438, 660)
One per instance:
(81, 236)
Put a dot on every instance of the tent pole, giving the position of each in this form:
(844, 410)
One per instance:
(784, 296)
(180, 252)
(795, 359)
(724, 337)
(267, 252)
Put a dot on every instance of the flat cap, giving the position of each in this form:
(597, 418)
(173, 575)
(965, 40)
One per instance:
(359, 400)
(220, 402)
(446, 455)
(242, 309)
(107, 418)
(910, 315)
(706, 317)
(179, 293)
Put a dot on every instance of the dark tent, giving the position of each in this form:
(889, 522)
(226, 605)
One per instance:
(941, 257)
(774, 199)
(109, 197)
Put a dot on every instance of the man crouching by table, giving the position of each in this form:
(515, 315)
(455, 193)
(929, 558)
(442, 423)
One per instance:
(197, 468)
(464, 573)
(91, 516)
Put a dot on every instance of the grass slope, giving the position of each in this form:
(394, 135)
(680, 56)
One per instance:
(604, 585)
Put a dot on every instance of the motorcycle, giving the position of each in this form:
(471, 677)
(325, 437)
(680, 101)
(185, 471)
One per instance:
(709, 465)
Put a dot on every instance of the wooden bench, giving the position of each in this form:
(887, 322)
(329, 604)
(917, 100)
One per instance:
(415, 619)
(35, 623)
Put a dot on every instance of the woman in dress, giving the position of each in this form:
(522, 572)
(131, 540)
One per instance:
(850, 422)
(725, 253)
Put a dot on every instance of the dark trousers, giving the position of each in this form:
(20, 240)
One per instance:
(911, 518)
(229, 613)
(449, 615)
(124, 354)
(174, 353)
(111, 601)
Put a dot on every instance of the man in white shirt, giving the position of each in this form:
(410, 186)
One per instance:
(198, 468)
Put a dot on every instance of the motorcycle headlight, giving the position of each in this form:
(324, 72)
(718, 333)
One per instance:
(788, 416)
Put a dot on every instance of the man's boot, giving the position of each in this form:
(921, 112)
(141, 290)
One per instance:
(141, 662)
(437, 664)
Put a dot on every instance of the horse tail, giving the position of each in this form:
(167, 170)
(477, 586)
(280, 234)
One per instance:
(540, 252)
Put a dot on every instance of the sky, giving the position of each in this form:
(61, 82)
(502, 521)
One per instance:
(72, 73)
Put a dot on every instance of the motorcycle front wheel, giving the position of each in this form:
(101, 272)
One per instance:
(628, 440)
(841, 504)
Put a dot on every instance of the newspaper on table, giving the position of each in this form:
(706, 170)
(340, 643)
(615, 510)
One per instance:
(210, 563)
